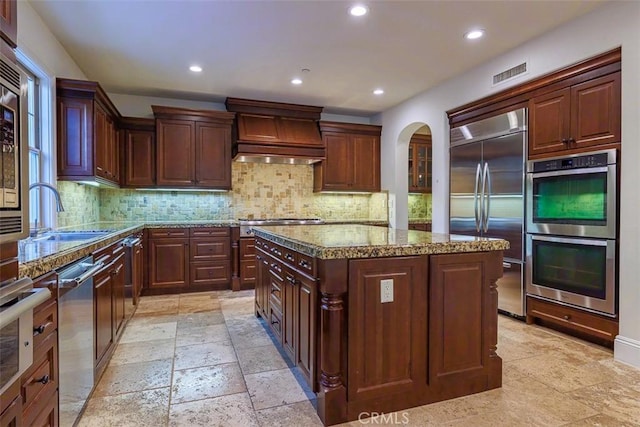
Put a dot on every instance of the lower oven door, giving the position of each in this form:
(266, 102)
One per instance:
(580, 272)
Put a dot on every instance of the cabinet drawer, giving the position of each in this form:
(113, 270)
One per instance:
(210, 232)
(306, 264)
(203, 249)
(213, 272)
(108, 253)
(168, 232)
(289, 256)
(40, 381)
(248, 271)
(48, 416)
(248, 248)
(45, 321)
(275, 321)
(574, 319)
(276, 286)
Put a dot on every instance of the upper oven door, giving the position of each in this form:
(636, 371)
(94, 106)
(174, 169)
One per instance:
(575, 202)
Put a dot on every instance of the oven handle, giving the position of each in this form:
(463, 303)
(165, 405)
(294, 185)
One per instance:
(580, 171)
(486, 199)
(571, 240)
(475, 198)
(13, 312)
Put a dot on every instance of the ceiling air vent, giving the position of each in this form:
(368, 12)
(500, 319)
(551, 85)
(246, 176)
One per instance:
(510, 73)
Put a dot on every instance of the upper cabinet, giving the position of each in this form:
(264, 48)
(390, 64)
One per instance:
(586, 114)
(193, 148)
(420, 164)
(9, 22)
(353, 158)
(88, 142)
(139, 152)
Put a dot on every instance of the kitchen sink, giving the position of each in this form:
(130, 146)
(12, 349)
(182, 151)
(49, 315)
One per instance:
(67, 236)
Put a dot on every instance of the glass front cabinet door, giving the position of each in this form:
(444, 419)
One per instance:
(420, 164)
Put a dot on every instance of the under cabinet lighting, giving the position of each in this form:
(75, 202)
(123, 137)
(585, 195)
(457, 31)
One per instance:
(185, 190)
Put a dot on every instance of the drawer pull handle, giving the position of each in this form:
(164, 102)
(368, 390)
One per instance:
(43, 380)
(289, 257)
(304, 264)
(275, 322)
(566, 317)
(40, 329)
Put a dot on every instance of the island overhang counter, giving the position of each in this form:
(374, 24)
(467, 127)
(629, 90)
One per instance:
(378, 319)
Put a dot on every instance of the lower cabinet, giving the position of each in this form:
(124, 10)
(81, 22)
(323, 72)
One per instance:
(286, 297)
(188, 260)
(102, 302)
(247, 263)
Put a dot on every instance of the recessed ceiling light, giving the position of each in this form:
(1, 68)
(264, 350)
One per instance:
(296, 81)
(196, 68)
(378, 92)
(473, 34)
(358, 10)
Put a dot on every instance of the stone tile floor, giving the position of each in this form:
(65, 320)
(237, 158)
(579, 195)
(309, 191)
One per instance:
(205, 360)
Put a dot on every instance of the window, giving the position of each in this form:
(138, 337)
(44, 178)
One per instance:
(39, 131)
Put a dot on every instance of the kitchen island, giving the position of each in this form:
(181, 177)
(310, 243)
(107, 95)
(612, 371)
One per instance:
(378, 320)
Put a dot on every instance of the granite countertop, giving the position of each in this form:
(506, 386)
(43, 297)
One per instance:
(39, 257)
(334, 241)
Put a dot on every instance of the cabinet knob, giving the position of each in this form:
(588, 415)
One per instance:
(40, 329)
(565, 141)
(43, 380)
(571, 140)
(566, 317)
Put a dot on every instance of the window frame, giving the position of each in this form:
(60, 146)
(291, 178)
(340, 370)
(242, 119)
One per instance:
(45, 115)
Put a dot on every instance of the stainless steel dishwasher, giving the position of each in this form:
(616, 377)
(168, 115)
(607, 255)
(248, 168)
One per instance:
(76, 337)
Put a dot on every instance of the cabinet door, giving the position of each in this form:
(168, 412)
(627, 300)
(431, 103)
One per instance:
(139, 159)
(258, 128)
(103, 306)
(12, 416)
(550, 122)
(168, 263)
(9, 21)
(210, 273)
(366, 163)
(306, 327)
(289, 304)
(247, 261)
(113, 152)
(101, 137)
(75, 137)
(118, 294)
(213, 156)
(596, 112)
(209, 249)
(338, 166)
(299, 131)
(176, 153)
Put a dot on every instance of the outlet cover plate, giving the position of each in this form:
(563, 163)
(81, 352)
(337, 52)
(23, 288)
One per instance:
(386, 290)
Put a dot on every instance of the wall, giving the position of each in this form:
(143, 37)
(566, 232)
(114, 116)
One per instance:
(259, 191)
(612, 25)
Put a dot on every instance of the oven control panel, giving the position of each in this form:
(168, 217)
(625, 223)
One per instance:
(573, 162)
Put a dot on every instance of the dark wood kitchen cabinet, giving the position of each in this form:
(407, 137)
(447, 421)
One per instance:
(286, 297)
(353, 158)
(193, 148)
(108, 300)
(247, 262)
(420, 164)
(210, 258)
(168, 260)
(583, 116)
(9, 22)
(139, 158)
(88, 143)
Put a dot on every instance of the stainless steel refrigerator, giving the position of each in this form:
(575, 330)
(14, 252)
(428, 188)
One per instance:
(487, 178)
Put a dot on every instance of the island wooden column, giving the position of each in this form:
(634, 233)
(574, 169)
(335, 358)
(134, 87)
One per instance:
(235, 258)
(332, 341)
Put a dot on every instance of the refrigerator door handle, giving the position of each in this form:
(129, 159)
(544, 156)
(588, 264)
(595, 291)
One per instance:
(486, 199)
(476, 206)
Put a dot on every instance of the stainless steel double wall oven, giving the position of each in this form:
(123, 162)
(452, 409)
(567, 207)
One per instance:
(572, 215)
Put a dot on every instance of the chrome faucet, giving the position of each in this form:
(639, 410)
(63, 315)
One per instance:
(59, 207)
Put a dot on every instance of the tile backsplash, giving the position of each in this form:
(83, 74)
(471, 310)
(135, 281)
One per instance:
(419, 206)
(259, 190)
(81, 203)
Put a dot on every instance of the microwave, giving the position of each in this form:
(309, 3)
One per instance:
(14, 181)
(574, 195)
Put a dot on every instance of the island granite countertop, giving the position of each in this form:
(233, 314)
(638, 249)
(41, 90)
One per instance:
(334, 241)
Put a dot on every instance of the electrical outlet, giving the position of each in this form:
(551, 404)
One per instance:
(386, 290)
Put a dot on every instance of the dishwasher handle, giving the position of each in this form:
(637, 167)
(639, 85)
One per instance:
(74, 283)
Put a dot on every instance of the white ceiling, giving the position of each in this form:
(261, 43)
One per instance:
(252, 49)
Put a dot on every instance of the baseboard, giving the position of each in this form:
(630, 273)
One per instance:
(627, 350)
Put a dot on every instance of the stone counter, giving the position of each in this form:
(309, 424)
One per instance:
(334, 241)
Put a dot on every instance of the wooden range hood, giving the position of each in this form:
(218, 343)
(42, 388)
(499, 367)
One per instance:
(271, 132)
